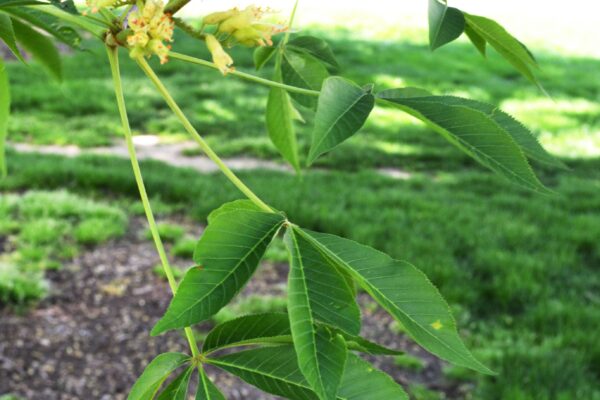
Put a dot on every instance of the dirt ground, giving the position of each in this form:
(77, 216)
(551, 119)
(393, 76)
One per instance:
(90, 338)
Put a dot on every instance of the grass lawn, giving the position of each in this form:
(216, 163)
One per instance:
(519, 269)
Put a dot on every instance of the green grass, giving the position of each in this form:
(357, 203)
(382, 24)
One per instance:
(230, 112)
(519, 269)
(40, 230)
(169, 233)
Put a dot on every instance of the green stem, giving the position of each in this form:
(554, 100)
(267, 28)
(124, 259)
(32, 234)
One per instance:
(113, 57)
(243, 75)
(175, 5)
(196, 136)
(290, 24)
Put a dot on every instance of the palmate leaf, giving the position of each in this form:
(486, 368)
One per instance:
(504, 43)
(472, 130)
(342, 110)
(4, 114)
(272, 329)
(275, 370)
(39, 46)
(155, 374)
(7, 35)
(303, 70)
(206, 389)
(402, 290)
(178, 388)
(317, 292)
(227, 255)
(445, 23)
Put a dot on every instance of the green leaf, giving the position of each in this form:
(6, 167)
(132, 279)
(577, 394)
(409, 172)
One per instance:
(236, 205)
(524, 138)
(303, 70)
(274, 328)
(40, 47)
(507, 45)
(280, 125)
(445, 23)
(472, 131)
(48, 23)
(178, 388)
(316, 47)
(342, 110)
(364, 382)
(4, 114)
(477, 40)
(249, 329)
(262, 55)
(317, 292)
(7, 35)
(271, 369)
(227, 255)
(18, 3)
(66, 5)
(206, 389)
(404, 291)
(155, 374)
(275, 370)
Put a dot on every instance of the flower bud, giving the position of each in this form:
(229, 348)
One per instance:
(219, 56)
(218, 17)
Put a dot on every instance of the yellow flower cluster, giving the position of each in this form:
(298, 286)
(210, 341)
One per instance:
(238, 26)
(150, 27)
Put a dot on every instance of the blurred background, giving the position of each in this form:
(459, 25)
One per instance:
(79, 286)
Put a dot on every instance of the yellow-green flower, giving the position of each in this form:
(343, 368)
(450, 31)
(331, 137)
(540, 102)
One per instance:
(219, 56)
(150, 27)
(244, 26)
